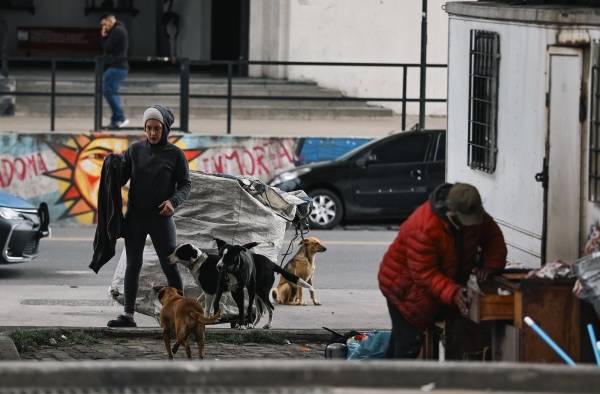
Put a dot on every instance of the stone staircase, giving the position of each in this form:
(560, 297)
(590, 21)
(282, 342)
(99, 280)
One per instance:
(149, 84)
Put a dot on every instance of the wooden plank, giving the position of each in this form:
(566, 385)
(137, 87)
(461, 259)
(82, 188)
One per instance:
(556, 310)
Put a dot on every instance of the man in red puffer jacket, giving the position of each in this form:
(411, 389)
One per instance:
(431, 258)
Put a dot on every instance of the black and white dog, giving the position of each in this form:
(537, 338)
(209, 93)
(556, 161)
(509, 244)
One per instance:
(233, 258)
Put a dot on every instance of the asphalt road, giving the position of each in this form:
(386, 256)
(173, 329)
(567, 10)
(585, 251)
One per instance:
(350, 262)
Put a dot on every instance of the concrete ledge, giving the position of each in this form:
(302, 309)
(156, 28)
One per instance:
(8, 350)
(301, 374)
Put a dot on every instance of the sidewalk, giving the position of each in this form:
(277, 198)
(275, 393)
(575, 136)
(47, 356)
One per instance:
(90, 306)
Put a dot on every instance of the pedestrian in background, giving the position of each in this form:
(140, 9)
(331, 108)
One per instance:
(429, 262)
(159, 182)
(115, 44)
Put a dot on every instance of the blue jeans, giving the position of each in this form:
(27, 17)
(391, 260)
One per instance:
(111, 81)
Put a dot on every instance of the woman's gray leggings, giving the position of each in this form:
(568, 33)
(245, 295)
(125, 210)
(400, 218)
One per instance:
(162, 232)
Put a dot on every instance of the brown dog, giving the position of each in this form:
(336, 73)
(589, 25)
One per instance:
(303, 266)
(185, 315)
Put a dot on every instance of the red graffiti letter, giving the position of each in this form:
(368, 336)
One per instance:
(7, 172)
(236, 156)
(259, 151)
(218, 164)
(20, 174)
(251, 159)
(41, 165)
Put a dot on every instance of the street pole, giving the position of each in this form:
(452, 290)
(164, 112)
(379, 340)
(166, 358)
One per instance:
(423, 65)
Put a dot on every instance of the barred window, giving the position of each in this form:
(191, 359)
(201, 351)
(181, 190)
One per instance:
(594, 153)
(483, 100)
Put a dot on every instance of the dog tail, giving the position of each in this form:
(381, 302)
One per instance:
(207, 320)
(273, 294)
(261, 308)
(291, 278)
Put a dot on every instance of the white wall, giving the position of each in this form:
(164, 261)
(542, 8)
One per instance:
(511, 194)
(70, 13)
(352, 31)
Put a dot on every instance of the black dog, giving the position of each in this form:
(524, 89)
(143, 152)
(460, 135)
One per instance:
(236, 272)
(203, 267)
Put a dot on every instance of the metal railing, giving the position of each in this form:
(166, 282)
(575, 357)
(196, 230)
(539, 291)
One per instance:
(230, 65)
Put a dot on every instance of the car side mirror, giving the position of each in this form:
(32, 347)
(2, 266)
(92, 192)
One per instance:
(367, 160)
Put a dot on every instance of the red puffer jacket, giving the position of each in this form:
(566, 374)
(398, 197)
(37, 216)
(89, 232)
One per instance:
(420, 269)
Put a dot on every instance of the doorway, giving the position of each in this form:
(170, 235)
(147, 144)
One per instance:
(230, 31)
(564, 154)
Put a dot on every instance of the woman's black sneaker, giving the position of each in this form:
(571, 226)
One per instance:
(122, 321)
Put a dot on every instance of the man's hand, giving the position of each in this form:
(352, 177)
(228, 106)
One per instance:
(166, 208)
(482, 273)
(461, 301)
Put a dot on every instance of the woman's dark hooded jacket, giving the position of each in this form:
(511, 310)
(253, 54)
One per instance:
(156, 172)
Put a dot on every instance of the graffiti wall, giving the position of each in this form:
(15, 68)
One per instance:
(64, 169)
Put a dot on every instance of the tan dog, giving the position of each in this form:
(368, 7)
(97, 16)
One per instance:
(303, 266)
(185, 315)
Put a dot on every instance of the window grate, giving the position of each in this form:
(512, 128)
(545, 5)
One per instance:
(484, 65)
(594, 149)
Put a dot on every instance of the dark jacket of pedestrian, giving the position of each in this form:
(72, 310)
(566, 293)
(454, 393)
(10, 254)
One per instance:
(431, 258)
(110, 212)
(115, 47)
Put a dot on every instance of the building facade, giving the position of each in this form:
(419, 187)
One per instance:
(522, 121)
(386, 31)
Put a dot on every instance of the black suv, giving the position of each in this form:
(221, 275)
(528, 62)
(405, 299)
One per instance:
(384, 179)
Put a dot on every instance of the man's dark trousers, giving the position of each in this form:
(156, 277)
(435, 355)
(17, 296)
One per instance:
(406, 340)
(111, 82)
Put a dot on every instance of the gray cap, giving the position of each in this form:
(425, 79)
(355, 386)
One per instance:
(464, 201)
(153, 113)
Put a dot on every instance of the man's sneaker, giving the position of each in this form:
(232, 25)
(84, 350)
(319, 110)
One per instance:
(123, 123)
(122, 321)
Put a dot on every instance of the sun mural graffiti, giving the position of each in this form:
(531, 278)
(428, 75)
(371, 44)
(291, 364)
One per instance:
(79, 178)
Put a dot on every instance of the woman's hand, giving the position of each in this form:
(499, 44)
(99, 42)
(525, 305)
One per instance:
(166, 208)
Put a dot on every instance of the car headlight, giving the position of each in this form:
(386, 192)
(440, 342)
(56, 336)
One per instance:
(288, 176)
(9, 213)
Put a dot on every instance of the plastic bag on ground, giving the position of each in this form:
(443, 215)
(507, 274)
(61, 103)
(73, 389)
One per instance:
(372, 346)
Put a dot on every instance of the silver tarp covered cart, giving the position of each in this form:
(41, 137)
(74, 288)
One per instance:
(237, 210)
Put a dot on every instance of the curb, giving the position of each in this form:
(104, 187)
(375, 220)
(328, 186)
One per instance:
(8, 350)
(279, 376)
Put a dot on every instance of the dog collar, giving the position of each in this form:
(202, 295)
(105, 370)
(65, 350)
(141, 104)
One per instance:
(195, 267)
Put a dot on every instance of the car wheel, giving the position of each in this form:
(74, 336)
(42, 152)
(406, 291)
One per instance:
(326, 209)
